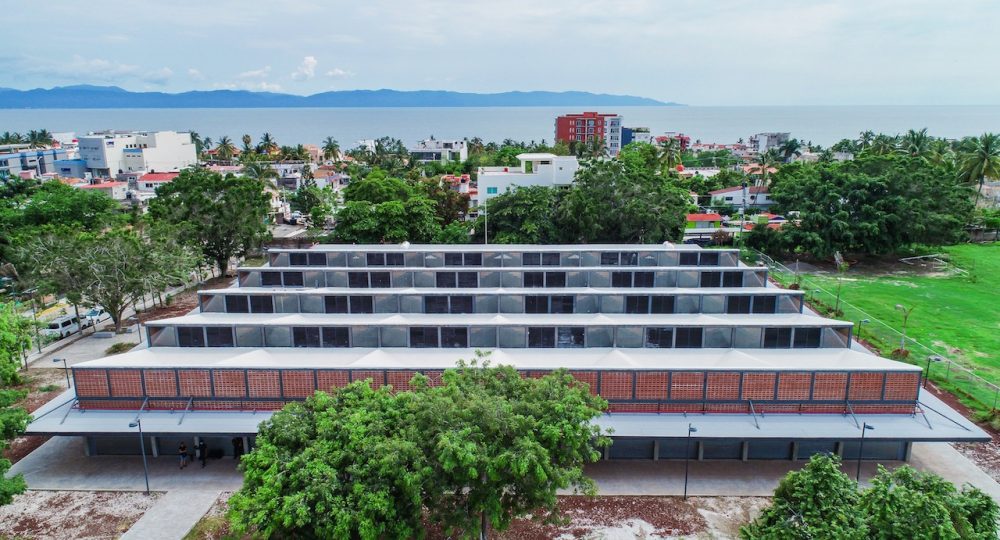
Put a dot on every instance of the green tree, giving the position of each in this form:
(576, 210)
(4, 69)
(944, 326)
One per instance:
(818, 501)
(980, 159)
(225, 216)
(451, 205)
(331, 149)
(790, 148)
(15, 336)
(225, 149)
(362, 222)
(456, 232)
(259, 171)
(669, 154)
(915, 143)
(55, 203)
(520, 216)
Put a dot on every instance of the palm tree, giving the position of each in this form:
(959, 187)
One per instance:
(789, 148)
(199, 145)
(225, 149)
(865, 139)
(206, 142)
(247, 143)
(883, 145)
(979, 160)
(766, 162)
(915, 143)
(267, 144)
(11, 138)
(259, 171)
(669, 155)
(331, 149)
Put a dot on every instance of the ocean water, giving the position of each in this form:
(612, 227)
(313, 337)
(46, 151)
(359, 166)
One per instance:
(821, 125)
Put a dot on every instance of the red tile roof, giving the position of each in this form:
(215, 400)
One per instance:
(750, 190)
(158, 177)
(104, 185)
(704, 217)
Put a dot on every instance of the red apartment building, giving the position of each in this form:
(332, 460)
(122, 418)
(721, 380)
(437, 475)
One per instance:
(587, 126)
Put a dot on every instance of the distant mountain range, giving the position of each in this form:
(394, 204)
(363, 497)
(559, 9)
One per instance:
(112, 97)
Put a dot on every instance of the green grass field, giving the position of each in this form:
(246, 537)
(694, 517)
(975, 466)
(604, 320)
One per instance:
(957, 315)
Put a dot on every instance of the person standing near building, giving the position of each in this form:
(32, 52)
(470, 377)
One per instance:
(237, 448)
(202, 452)
(183, 451)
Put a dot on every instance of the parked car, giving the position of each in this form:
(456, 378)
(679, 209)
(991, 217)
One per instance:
(64, 326)
(96, 315)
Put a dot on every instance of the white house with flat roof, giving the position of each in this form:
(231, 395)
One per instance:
(110, 153)
(536, 169)
(443, 151)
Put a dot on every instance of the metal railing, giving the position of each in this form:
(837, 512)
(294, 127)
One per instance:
(940, 364)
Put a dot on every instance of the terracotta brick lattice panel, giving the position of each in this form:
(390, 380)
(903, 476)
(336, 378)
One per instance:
(824, 408)
(682, 407)
(108, 404)
(434, 376)
(125, 382)
(723, 386)
(167, 405)
(90, 382)
(377, 377)
(160, 383)
(633, 407)
(727, 407)
(400, 380)
(297, 383)
(865, 386)
(902, 386)
(264, 383)
(229, 383)
(777, 407)
(651, 384)
(830, 386)
(195, 382)
(685, 385)
(535, 374)
(758, 386)
(588, 377)
(616, 385)
(794, 386)
(327, 380)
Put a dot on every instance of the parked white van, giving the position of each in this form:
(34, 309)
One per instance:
(64, 326)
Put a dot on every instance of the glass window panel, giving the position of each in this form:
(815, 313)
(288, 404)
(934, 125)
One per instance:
(286, 303)
(375, 259)
(261, 304)
(746, 338)
(569, 337)
(394, 259)
(454, 337)
(249, 336)
(754, 279)
(719, 338)
(686, 303)
(364, 336)
(555, 279)
(190, 336)
(249, 279)
(292, 279)
(764, 304)
(609, 258)
(473, 259)
(629, 258)
(314, 278)
(787, 304)
(317, 259)
(732, 279)
(490, 279)
(356, 259)
(688, 338)
(219, 336)
(336, 336)
(536, 304)
(393, 336)
(492, 259)
(534, 279)
(665, 278)
(688, 278)
(637, 304)
(423, 337)
(647, 258)
(305, 336)
(362, 304)
(777, 338)
(511, 304)
(237, 304)
(386, 303)
(311, 304)
(462, 304)
(585, 303)
(660, 338)
(411, 304)
(713, 304)
(576, 279)
(661, 304)
(446, 279)
(486, 304)
(642, 279)
(483, 336)
(532, 259)
(468, 280)
(435, 304)
(569, 259)
(590, 258)
(738, 304)
(277, 336)
(621, 279)
(807, 338)
(688, 258)
(270, 279)
(453, 259)
(711, 279)
(425, 279)
(336, 259)
(550, 259)
(561, 304)
(433, 260)
(708, 259)
(835, 337)
(629, 336)
(162, 337)
(600, 336)
(335, 304)
(415, 260)
(512, 336)
(380, 280)
(336, 279)
(357, 280)
(541, 337)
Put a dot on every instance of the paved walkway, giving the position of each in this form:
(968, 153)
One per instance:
(173, 515)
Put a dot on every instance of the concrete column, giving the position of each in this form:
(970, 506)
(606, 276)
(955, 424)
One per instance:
(839, 448)
(88, 446)
(656, 449)
(607, 453)
(246, 446)
(908, 449)
(701, 451)
(154, 445)
(795, 450)
(745, 451)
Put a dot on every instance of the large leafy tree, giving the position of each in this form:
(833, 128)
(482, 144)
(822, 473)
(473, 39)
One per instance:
(55, 204)
(225, 216)
(979, 159)
(380, 209)
(520, 216)
(15, 336)
(815, 502)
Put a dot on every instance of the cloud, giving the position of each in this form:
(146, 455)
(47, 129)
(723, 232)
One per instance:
(261, 86)
(338, 73)
(158, 76)
(100, 70)
(195, 74)
(261, 73)
(306, 70)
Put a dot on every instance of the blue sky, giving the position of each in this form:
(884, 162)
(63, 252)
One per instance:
(700, 52)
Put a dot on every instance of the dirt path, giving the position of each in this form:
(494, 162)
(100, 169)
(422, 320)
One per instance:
(73, 514)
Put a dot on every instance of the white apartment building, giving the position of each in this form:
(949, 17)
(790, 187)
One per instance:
(110, 153)
(762, 142)
(429, 150)
(535, 170)
(738, 196)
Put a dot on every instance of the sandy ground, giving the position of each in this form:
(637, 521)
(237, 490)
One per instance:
(605, 518)
(73, 514)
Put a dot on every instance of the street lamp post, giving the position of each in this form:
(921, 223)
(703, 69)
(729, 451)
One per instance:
(906, 316)
(687, 457)
(65, 369)
(142, 448)
(861, 324)
(861, 449)
(927, 371)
